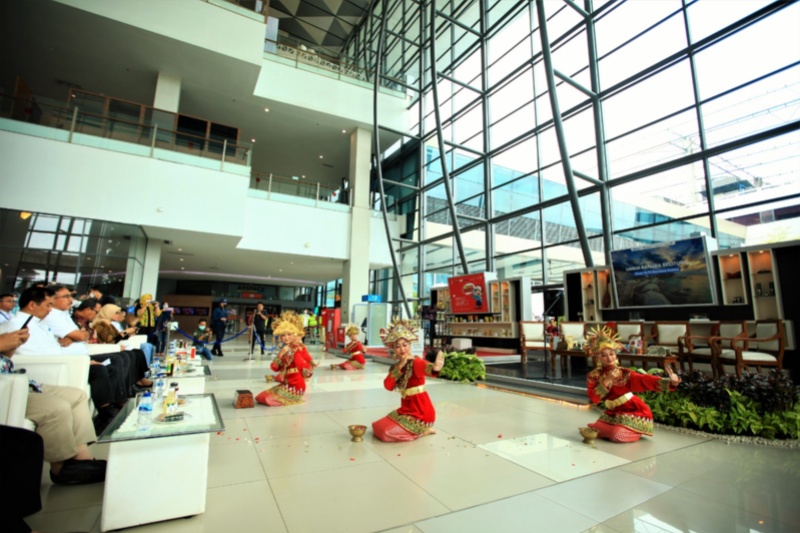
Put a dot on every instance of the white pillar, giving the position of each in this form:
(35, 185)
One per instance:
(168, 92)
(355, 275)
(152, 263)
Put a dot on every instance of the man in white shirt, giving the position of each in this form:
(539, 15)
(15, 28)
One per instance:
(7, 305)
(70, 337)
(105, 387)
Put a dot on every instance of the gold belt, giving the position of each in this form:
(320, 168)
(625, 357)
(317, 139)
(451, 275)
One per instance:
(357, 353)
(611, 404)
(412, 391)
(291, 371)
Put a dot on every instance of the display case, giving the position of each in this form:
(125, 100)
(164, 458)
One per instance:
(500, 322)
(588, 296)
(605, 289)
(734, 290)
(764, 285)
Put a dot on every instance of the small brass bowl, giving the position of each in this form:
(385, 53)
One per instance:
(357, 432)
(588, 435)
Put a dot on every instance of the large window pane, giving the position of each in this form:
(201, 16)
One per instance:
(518, 233)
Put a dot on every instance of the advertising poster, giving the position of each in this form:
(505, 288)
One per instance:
(663, 275)
(468, 294)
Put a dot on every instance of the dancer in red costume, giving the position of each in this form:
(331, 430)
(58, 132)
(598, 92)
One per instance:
(416, 415)
(291, 363)
(355, 349)
(626, 417)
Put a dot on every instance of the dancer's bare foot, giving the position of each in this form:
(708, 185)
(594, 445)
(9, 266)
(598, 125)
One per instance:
(431, 431)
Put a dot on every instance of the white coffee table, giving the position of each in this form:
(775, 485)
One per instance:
(161, 473)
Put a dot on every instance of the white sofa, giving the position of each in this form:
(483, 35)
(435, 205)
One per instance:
(64, 370)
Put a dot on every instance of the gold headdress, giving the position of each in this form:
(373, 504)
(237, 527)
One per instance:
(351, 329)
(289, 322)
(600, 338)
(400, 329)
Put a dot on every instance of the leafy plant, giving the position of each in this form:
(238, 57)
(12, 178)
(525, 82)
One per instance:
(463, 367)
(764, 406)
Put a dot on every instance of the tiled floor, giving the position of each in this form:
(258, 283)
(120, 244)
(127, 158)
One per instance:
(500, 462)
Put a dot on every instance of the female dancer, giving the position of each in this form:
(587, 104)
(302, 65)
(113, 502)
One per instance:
(355, 349)
(291, 363)
(416, 415)
(626, 417)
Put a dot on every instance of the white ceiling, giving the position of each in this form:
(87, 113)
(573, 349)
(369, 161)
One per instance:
(52, 45)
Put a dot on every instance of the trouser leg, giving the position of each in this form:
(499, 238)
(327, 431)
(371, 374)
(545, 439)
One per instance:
(61, 415)
(101, 385)
(22, 472)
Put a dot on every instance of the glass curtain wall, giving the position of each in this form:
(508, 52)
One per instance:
(77, 252)
(549, 132)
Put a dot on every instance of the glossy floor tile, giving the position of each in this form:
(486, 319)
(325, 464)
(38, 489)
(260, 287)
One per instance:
(500, 462)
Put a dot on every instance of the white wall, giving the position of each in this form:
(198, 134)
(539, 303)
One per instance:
(49, 176)
(197, 23)
(280, 82)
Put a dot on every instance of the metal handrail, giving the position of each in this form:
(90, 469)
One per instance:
(270, 183)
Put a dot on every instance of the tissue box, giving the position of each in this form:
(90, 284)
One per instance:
(462, 344)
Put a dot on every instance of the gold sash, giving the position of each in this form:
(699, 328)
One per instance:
(412, 391)
(611, 404)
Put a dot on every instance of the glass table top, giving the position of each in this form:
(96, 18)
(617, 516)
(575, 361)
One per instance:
(201, 415)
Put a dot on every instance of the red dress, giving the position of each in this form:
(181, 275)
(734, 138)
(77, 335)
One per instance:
(416, 414)
(291, 368)
(356, 361)
(626, 417)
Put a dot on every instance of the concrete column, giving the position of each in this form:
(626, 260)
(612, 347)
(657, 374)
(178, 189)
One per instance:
(152, 264)
(135, 268)
(168, 92)
(355, 275)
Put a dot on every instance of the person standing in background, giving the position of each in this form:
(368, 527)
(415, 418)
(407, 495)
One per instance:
(219, 319)
(260, 319)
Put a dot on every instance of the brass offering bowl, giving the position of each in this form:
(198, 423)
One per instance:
(588, 435)
(357, 432)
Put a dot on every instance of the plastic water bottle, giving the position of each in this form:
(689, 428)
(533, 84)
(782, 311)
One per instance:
(145, 419)
(155, 367)
(159, 387)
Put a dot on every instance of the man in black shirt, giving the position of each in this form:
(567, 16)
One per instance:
(259, 326)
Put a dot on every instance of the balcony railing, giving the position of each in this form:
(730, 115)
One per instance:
(316, 192)
(147, 133)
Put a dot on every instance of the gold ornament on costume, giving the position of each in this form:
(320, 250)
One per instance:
(400, 329)
(601, 338)
(352, 329)
(289, 322)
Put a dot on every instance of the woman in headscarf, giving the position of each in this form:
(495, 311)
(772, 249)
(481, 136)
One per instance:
(416, 415)
(291, 363)
(626, 417)
(148, 310)
(106, 333)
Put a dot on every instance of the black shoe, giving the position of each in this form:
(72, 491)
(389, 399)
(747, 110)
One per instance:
(80, 473)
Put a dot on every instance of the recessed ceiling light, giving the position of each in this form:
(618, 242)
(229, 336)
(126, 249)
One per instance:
(266, 110)
(320, 157)
(252, 140)
(181, 258)
(344, 131)
(180, 249)
(182, 268)
(303, 176)
(280, 270)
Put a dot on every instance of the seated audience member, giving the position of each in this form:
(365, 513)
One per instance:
(7, 305)
(37, 302)
(202, 335)
(107, 330)
(133, 360)
(61, 416)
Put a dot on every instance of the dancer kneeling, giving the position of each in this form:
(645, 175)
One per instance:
(291, 363)
(355, 349)
(626, 417)
(416, 415)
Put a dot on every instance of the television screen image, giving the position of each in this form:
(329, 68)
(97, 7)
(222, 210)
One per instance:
(663, 275)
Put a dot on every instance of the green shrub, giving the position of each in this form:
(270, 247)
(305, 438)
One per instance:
(463, 367)
(765, 406)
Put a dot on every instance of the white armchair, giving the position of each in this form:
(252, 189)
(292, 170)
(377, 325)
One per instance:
(64, 370)
(532, 338)
(14, 400)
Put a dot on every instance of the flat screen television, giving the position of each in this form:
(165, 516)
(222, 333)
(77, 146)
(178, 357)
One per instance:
(668, 274)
